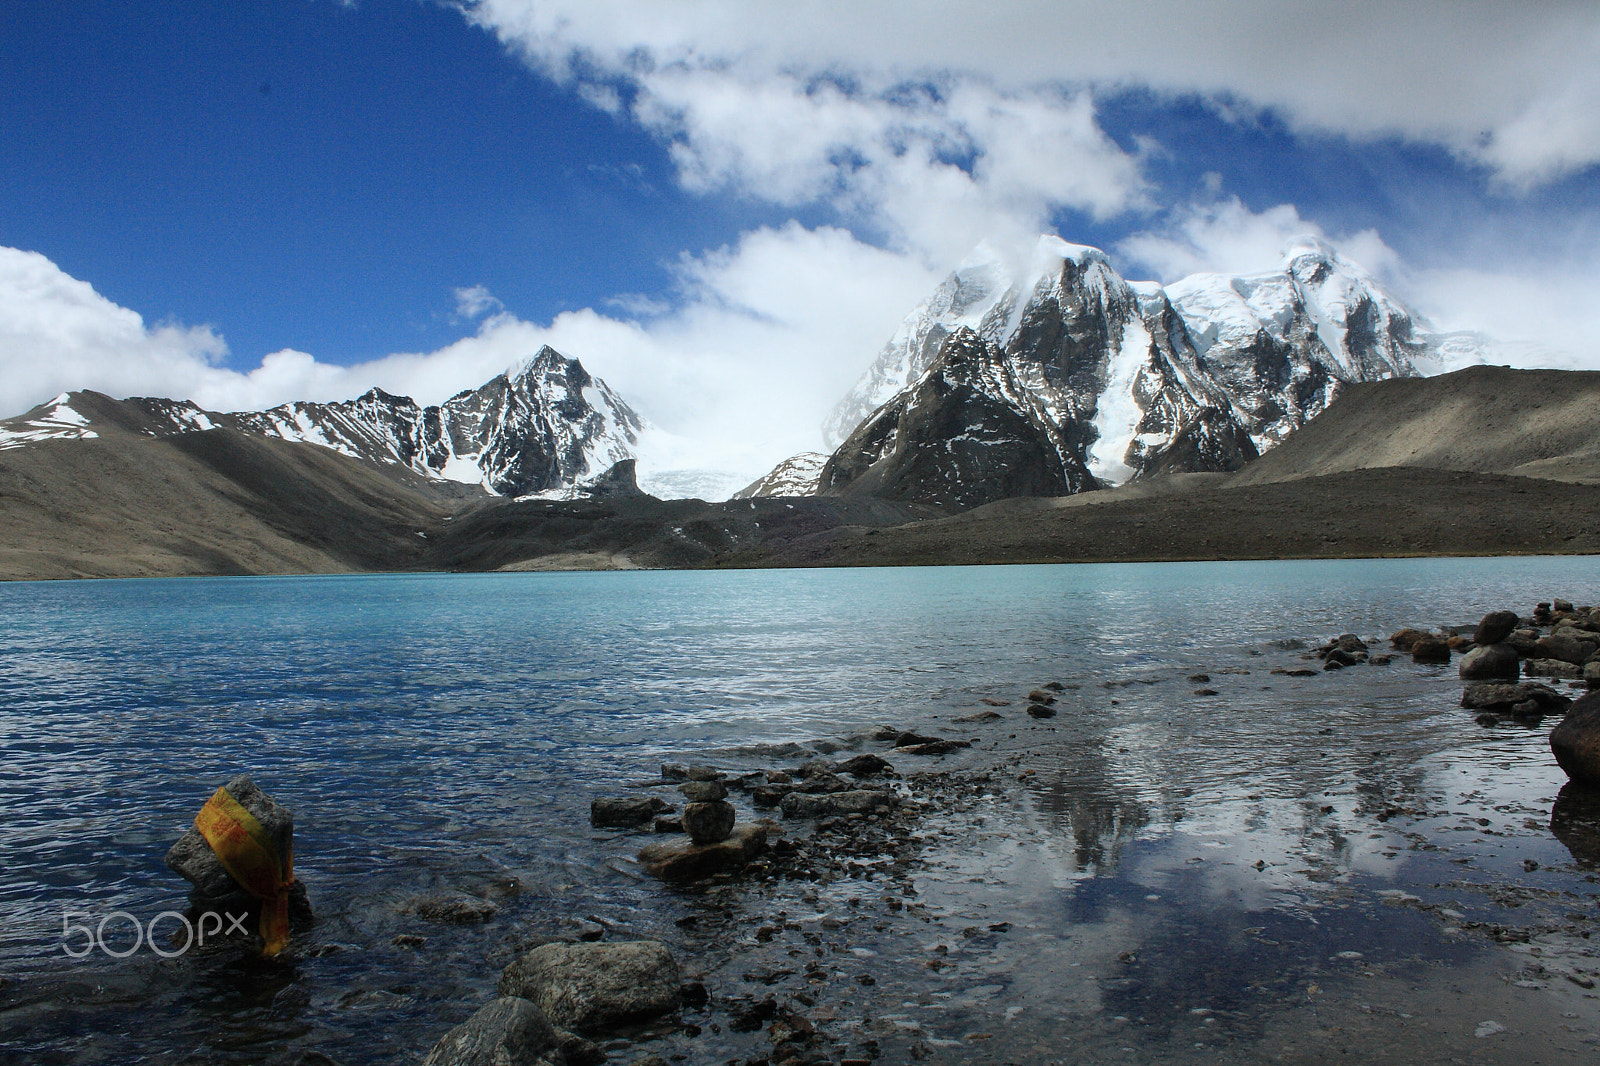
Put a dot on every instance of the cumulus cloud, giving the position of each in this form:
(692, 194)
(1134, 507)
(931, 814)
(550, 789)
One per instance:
(1509, 85)
(1530, 315)
(475, 301)
(1226, 237)
(764, 338)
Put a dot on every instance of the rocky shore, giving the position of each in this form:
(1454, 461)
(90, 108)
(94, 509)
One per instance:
(801, 862)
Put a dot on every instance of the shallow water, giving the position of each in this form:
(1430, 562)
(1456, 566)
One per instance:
(1205, 869)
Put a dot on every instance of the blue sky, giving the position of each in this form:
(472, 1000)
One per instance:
(718, 206)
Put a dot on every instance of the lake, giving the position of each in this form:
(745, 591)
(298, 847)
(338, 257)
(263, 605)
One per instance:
(1187, 864)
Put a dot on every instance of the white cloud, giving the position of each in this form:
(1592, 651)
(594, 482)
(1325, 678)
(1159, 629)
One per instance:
(1226, 237)
(1533, 315)
(476, 300)
(767, 336)
(1511, 85)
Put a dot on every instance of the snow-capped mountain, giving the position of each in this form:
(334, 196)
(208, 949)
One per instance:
(1122, 380)
(547, 428)
(795, 476)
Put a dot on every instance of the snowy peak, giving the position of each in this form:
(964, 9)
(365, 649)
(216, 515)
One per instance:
(547, 428)
(795, 476)
(1131, 380)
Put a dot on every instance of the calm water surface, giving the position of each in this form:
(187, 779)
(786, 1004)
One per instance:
(1175, 869)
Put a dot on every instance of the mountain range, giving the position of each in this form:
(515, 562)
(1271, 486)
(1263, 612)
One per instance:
(1071, 378)
(546, 429)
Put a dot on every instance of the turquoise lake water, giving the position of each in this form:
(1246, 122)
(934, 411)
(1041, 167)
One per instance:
(446, 732)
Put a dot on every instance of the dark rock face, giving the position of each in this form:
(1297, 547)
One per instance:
(1576, 742)
(964, 436)
(625, 812)
(508, 1030)
(1495, 627)
(687, 861)
(589, 988)
(708, 823)
(1490, 662)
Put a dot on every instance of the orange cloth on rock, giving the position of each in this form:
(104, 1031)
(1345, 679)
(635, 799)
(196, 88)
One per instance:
(246, 850)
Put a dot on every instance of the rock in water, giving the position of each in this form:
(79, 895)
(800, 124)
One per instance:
(592, 987)
(625, 812)
(1490, 662)
(703, 791)
(215, 891)
(687, 861)
(1495, 627)
(1430, 650)
(860, 801)
(507, 1031)
(1576, 741)
(192, 858)
(1406, 639)
(708, 823)
(1500, 696)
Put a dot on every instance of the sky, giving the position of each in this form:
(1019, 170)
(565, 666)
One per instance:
(725, 208)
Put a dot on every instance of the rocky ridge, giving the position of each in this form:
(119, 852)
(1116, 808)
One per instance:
(546, 429)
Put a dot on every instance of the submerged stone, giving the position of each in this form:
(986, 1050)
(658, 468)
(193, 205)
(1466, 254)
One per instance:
(590, 988)
(680, 860)
(508, 1030)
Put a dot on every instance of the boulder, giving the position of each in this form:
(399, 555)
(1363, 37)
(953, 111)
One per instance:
(1040, 710)
(1576, 741)
(687, 861)
(590, 988)
(770, 795)
(192, 858)
(708, 823)
(1526, 641)
(625, 812)
(508, 1031)
(911, 740)
(1350, 644)
(1591, 673)
(1569, 649)
(826, 781)
(1430, 650)
(703, 791)
(1501, 696)
(1495, 627)
(867, 765)
(1490, 662)
(1556, 668)
(1405, 639)
(704, 773)
(674, 771)
(1039, 695)
(859, 801)
(1338, 659)
(1562, 606)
